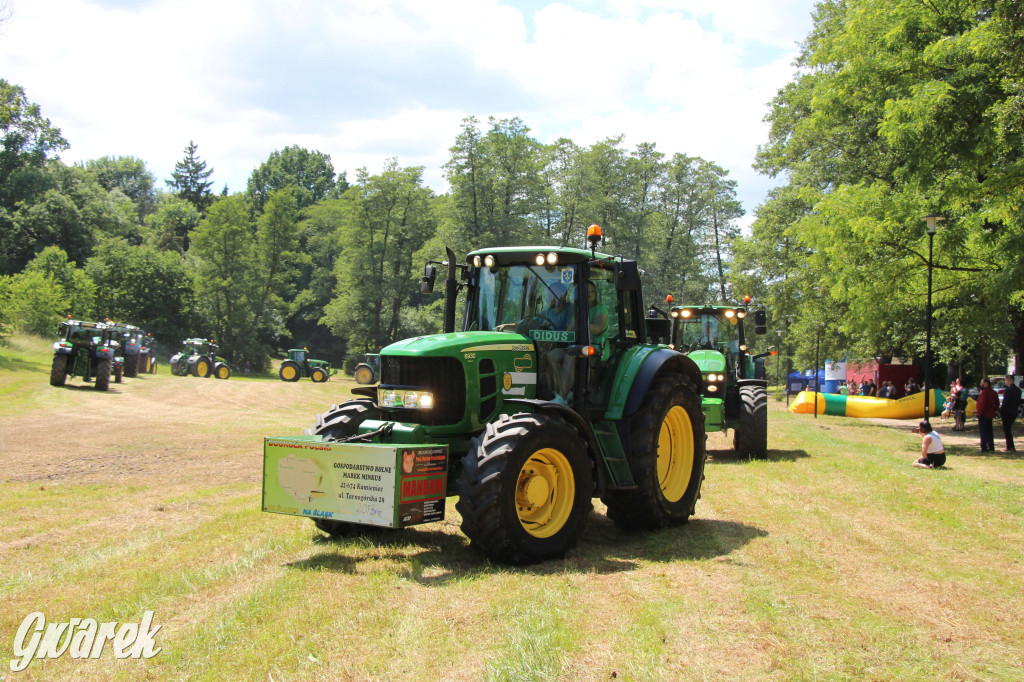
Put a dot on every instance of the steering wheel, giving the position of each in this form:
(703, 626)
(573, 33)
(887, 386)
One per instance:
(528, 324)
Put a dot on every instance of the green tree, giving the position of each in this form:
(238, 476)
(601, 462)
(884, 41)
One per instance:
(39, 302)
(77, 286)
(388, 219)
(277, 238)
(903, 109)
(190, 179)
(130, 176)
(170, 225)
(310, 173)
(226, 284)
(144, 286)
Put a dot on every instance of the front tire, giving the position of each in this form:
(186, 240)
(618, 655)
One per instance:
(103, 374)
(318, 376)
(118, 374)
(59, 370)
(222, 371)
(750, 438)
(667, 452)
(339, 422)
(525, 488)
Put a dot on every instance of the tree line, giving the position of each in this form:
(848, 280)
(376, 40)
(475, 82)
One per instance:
(303, 256)
(900, 109)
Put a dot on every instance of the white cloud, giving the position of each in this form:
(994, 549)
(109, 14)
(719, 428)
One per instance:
(364, 81)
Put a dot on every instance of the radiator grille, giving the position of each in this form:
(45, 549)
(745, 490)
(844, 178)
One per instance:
(443, 377)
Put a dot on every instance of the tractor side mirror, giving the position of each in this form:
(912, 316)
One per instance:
(427, 283)
(627, 276)
(659, 329)
(760, 322)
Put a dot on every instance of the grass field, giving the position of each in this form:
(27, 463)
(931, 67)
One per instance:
(832, 559)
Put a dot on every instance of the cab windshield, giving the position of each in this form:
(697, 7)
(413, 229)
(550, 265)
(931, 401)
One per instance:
(536, 296)
(708, 331)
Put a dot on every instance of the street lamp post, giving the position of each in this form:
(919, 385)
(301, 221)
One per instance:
(931, 223)
(778, 363)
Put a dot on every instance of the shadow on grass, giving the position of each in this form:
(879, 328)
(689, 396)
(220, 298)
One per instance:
(11, 364)
(432, 557)
(730, 456)
(972, 452)
(114, 388)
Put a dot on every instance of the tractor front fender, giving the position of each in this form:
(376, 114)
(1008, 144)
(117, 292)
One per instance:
(582, 426)
(662, 359)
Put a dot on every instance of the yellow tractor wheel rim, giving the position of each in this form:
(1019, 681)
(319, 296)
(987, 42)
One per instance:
(202, 369)
(363, 375)
(545, 491)
(222, 372)
(288, 373)
(318, 375)
(675, 454)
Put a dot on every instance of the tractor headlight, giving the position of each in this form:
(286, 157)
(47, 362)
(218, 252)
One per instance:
(476, 261)
(489, 261)
(712, 389)
(539, 260)
(552, 258)
(409, 400)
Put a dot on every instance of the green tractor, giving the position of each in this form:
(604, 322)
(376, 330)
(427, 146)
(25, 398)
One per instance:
(550, 395)
(147, 356)
(199, 358)
(129, 337)
(368, 371)
(299, 366)
(733, 385)
(87, 350)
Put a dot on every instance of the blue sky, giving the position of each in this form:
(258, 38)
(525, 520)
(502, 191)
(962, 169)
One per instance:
(366, 81)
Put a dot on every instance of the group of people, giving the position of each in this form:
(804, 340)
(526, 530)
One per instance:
(933, 454)
(868, 388)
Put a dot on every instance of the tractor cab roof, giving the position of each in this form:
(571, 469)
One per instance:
(505, 255)
(691, 311)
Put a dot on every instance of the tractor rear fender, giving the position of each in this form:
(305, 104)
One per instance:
(63, 350)
(752, 382)
(367, 392)
(582, 426)
(637, 372)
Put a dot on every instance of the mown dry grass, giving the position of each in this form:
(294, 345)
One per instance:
(833, 559)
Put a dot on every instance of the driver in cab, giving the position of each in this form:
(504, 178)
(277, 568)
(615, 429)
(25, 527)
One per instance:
(560, 313)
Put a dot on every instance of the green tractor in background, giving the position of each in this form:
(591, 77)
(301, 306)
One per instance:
(368, 371)
(87, 350)
(129, 337)
(147, 355)
(734, 387)
(299, 366)
(199, 358)
(552, 393)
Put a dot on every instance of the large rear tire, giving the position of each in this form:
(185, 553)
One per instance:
(103, 374)
(131, 366)
(750, 438)
(667, 452)
(364, 374)
(289, 371)
(202, 367)
(336, 423)
(525, 488)
(59, 370)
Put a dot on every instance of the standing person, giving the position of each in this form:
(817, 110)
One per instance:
(1008, 410)
(933, 454)
(988, 407)
(959, 405)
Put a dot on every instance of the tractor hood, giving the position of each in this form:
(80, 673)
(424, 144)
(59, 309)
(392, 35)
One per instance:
(708, 360)
(456, 343)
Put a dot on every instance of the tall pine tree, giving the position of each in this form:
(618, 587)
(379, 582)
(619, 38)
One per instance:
(191, 181)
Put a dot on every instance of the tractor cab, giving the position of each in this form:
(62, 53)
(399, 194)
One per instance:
(298, 355)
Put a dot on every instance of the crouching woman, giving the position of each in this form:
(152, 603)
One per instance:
(933, 454)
